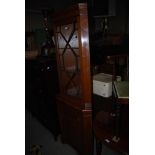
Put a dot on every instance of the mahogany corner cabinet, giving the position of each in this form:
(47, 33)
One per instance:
(71, 34)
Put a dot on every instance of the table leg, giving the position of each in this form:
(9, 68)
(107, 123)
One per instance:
(98, 147)
(118, 108)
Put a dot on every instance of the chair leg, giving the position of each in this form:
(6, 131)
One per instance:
(98, 147)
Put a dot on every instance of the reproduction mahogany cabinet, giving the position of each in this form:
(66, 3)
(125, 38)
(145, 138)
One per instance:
(73, 63)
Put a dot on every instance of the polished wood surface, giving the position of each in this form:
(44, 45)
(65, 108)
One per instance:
(104, 132)
(110, 122)
(31, 55)
(64, 23)
(73, 63)
(76, 126)
(103, 137)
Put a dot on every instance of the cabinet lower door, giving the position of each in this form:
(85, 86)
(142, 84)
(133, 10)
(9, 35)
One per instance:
(76, 127)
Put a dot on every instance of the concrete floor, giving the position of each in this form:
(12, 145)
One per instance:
(38, 134)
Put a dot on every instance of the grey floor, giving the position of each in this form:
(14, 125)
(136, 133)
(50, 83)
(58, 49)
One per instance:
(37, 134)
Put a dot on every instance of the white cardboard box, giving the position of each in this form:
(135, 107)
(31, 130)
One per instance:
(102, 84)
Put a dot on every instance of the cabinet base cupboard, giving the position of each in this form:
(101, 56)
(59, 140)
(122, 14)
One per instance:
(73, 63)
(76, 126)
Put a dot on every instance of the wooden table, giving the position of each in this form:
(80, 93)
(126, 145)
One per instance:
(111, 128)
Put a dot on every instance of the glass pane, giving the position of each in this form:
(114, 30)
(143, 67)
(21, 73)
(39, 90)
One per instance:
(69, 60)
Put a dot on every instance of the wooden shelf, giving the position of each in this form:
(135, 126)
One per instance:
(30, 55)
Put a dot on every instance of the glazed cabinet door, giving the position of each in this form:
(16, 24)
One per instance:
(72, 50)
(69, 59)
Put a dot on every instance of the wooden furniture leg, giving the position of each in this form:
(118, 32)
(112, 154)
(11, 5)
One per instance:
(98, 147)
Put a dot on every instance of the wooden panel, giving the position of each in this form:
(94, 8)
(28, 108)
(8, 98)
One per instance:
(70, 13)
(72, 39)
(76, 126)
(73, 62)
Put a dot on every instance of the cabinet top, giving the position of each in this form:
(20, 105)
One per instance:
(75, 10)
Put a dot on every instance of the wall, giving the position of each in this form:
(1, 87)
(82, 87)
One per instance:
(33, 20)
(34, 23)
(118, 23)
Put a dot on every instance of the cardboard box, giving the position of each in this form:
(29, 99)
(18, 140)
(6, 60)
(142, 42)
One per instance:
(102, 84)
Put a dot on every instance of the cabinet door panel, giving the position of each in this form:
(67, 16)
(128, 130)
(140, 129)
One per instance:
(72, 50)
(69, 60)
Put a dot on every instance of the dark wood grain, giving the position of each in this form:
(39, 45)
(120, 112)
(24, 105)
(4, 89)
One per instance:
(72, 50)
